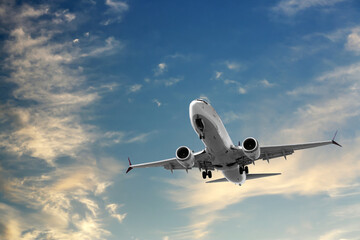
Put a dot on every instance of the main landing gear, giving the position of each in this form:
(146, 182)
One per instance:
(206, 173)
(242, 169)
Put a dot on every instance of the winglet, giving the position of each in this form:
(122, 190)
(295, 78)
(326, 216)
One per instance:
(333, 140)
(130, 168)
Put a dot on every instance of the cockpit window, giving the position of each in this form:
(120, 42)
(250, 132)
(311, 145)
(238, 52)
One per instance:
(202, 100)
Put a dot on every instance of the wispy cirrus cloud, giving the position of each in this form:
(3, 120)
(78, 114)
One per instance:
(115, 11)
(292, 7)
(46, 196)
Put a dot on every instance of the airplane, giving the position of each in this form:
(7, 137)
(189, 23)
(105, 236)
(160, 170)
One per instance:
(220, 153)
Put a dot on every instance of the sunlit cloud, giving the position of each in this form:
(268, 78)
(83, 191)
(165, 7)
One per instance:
(112, 208)
(117, 137)
(353, 41)
(41, 124)
(160, 69)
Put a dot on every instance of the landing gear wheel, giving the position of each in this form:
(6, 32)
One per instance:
(209, 174)
(204, 175)
(246, 170)
(241, 170)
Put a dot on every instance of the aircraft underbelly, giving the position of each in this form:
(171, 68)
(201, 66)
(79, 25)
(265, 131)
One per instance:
(233, 175)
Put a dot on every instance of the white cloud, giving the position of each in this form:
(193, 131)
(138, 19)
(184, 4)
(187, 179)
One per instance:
(231, 116)
(292, 7)
(242, 90)
(235, 66)
(266, 83)
(169, 82)
(110, 138)
(112, 208)
(135, 88)
(157, 102)
(42, 123)
(353, 41)
(118, 6)
(218, 74)
(160, 69)
(111, 44)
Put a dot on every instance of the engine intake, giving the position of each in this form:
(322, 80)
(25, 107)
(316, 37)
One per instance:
(251, 148)
(185, 157)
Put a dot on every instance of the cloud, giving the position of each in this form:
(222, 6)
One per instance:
(41, 124)
(169, 82)
(353, 41)
(114, 137)
(292, 7)
(265, 83)
(115, 11)
(118, 6)
(218, 74)
(235, 66)
(160, 69)
(242, 90)
(231, 116)
(110, 45)
(135, 88)
(157, 102)
(112, 208)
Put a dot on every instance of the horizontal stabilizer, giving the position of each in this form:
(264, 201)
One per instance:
(248, 177)
(218, 180)
(260, 175)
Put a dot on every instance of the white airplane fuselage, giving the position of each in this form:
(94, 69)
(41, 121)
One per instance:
(208, 125)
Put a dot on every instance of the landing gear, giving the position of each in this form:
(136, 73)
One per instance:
(206, 174)
(201, 136)
(242, 169)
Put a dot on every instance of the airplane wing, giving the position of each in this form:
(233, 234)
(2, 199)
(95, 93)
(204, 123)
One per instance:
(269, 152)
(202, 160)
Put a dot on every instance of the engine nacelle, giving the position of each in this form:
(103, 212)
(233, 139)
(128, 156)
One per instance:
(185, 157)
(251, 148)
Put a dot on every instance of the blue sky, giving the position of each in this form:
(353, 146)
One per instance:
(87, 84)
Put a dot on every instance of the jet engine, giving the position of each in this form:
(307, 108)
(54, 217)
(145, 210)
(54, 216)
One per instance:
(185, 157)
(251, 148)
